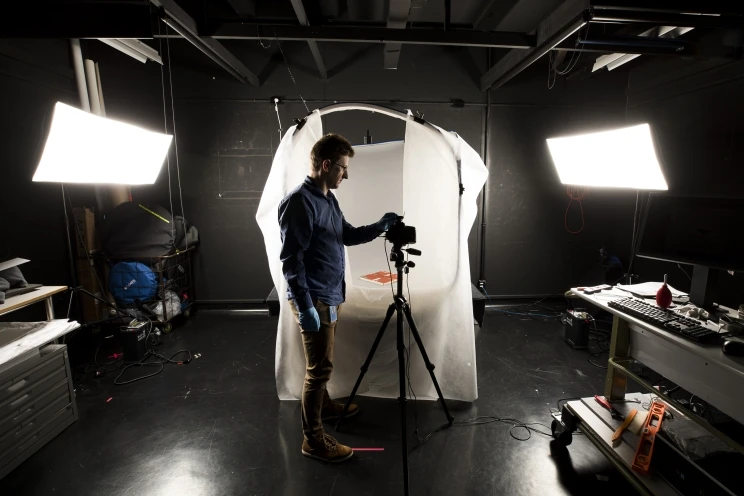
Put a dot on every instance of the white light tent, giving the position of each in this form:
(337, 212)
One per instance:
(419, 177)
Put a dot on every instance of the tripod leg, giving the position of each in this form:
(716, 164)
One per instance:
(429, 365)
(364, 368)
(402, 399)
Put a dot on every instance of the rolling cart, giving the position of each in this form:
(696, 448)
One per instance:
(160, 288)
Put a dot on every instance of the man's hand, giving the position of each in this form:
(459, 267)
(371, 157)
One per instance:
(310, 320)
(387, 221)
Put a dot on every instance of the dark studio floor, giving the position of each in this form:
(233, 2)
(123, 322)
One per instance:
(216, 427)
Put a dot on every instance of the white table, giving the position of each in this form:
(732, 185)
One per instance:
(43, 293)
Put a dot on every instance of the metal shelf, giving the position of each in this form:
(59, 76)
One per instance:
(623, 364)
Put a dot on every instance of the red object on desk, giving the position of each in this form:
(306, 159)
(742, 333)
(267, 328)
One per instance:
(663, 295)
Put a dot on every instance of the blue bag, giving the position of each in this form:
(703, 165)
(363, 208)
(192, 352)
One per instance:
(131, 281)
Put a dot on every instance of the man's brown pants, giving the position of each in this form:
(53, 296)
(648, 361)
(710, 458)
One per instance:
(318, 367)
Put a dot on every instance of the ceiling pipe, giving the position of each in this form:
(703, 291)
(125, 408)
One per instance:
(202, 48)
(682, 20)
(542, 49)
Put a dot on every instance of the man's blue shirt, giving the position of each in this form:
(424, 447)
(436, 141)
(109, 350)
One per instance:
(314, 233)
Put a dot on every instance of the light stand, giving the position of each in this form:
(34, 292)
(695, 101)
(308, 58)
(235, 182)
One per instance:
(400, 305)
(120, 312)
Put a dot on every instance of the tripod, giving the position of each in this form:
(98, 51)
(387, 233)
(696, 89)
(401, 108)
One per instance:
(401, 306)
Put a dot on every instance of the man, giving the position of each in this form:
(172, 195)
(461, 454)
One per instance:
(314, 233)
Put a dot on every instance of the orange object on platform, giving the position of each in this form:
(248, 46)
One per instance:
(645, 450)
(382, 277)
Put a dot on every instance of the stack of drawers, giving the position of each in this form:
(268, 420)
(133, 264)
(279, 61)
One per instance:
(37, 402)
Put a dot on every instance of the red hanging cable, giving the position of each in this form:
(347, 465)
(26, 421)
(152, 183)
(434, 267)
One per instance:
(575, 194)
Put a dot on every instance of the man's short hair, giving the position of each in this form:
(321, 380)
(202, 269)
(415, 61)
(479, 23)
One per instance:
(330, 147)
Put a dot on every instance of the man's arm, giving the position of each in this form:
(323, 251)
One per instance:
(359, 235)
(296, 225)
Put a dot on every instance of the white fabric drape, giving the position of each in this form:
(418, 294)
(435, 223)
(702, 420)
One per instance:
(419, 178)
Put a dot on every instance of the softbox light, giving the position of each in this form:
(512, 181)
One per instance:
(86, 148)
(622, 158)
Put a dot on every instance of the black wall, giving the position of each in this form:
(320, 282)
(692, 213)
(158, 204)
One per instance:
(33, 77)
(228, 132)
(529, 249)
(696, 112)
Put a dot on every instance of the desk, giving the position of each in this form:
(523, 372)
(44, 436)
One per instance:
(703, 370)
(43, 293)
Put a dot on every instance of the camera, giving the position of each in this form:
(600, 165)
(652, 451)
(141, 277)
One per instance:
(400, 234)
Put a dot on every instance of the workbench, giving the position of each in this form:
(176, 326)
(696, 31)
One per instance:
(703, 370)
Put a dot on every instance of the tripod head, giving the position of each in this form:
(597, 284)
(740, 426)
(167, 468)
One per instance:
(396, 255)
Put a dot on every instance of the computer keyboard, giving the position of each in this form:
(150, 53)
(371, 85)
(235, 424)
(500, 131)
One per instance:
(666, 319)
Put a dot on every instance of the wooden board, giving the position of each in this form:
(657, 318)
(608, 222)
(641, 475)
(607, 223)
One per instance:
(20, 301)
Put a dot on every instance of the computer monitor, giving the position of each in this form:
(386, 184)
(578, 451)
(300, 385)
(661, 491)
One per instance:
(705, 232)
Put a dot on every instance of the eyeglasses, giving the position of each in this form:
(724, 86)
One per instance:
(344, 167)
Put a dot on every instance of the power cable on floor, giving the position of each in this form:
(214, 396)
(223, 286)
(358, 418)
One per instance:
(144, 363)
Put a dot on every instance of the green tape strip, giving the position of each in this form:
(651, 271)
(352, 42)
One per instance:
(153, 213)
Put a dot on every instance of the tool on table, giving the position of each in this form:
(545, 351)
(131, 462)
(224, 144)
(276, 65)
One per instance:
(594, 289)
(645, 450)
(636, 425)
(603, 401)
(626, 423)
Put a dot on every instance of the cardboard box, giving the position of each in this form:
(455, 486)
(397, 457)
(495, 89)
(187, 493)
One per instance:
(86, 239)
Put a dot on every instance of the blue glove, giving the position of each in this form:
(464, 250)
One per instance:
(387, 221)
(310, 320)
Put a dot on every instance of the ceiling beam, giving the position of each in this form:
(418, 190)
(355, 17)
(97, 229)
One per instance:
(375, 35)
(183, 24)
(493, 13)
(398, 11)
(244, 8)
(564, 21)
(302, 17)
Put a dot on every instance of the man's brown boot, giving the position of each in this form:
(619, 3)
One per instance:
(325, 448)
(332, 410)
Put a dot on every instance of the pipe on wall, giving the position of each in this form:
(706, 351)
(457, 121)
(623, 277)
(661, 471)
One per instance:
(77, 65)
(107, 198)
(484, 195)
(100, 90)
(95, 108)
(116, 194)
(90, 78)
